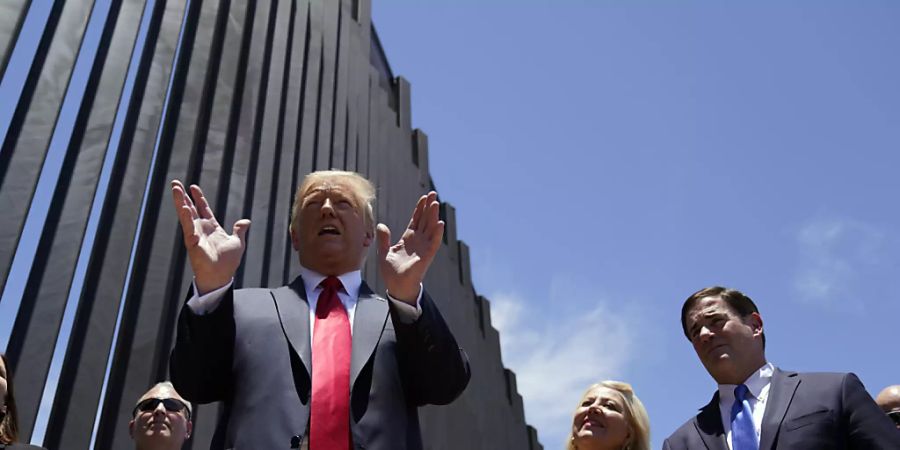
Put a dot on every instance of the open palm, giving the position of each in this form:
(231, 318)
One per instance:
(213, 253)
(404, 264)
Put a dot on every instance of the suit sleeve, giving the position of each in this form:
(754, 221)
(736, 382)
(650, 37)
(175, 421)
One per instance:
(200, 364)
(868, 426)
(435, 370)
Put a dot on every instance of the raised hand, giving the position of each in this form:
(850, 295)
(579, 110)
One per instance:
(404, 264)
(214, 254)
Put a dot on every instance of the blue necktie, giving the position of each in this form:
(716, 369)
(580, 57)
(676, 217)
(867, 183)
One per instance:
(743, 435)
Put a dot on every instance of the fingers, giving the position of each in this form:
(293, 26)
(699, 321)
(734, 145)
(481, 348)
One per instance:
(179, 195)
(203, 208)
(426, 212)
(435, 235)
(187, 227)
(417, 213)
(240, 230)
(430, 215)
(185, 212)
(383, 240)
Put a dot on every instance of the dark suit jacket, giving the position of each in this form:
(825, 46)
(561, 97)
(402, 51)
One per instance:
(253, 352)
(818, 411)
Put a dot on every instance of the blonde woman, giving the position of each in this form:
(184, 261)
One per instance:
(610, 417)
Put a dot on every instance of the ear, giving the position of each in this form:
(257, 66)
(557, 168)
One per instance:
(756, 323)
(295, 239)
(188, 429)
(370, 236)
(131, 428)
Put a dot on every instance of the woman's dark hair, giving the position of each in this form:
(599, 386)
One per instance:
(9, 425)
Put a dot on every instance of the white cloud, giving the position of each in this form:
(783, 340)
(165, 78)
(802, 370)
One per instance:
(557, 349)
(833, 251)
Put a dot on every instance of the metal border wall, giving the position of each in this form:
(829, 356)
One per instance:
(243, 97)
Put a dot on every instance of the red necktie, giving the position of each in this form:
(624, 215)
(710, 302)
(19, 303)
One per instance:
(329, 427)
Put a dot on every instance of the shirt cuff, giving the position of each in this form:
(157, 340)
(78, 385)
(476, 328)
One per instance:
(405, 312)
(207, 303)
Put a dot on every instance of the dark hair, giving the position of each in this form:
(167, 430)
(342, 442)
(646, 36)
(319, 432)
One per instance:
(9, 426)
(739, 303)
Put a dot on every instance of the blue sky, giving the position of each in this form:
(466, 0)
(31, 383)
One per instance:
(609, 158)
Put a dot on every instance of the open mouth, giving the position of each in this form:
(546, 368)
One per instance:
(329, 229)
(591, 423)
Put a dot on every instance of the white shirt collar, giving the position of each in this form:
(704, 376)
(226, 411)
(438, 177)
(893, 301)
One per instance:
(755, 384)
(351, 281)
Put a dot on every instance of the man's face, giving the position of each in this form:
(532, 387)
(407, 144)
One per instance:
(730, 347)
(889, 401)
(331, 234)
(160, 428)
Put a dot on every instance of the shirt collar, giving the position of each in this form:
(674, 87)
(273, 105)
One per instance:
(351, 281)
(755, 383)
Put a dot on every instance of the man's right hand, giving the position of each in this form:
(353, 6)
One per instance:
(214, 254)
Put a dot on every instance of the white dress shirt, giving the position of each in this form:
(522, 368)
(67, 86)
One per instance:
(407, 313)
(758, 392)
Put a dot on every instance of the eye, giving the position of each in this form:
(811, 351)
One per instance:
(313, 201)
(611, 406)
(694, 331)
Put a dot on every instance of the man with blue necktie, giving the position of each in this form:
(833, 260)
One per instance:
(760, 407)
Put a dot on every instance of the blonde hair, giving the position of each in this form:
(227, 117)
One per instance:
(635, 415)
(362, 190)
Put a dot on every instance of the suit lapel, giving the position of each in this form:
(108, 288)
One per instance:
(368, 324)
(781, 392)
(293, 312)
(709, 425)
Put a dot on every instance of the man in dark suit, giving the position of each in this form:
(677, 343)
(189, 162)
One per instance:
(759, 406)
(323, 363)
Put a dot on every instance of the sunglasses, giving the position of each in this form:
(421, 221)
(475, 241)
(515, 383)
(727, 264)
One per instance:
(171, 405)
(895, 416)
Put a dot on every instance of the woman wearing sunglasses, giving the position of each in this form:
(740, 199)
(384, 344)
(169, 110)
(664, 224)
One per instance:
(9, 418)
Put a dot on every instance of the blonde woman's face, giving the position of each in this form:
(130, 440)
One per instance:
(600, 421)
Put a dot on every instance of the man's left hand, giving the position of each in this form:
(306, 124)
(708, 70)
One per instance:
(404, 264)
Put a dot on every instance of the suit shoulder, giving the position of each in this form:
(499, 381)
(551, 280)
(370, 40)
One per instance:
(253, 302)
(824, 377)
(252, 291)
(681, 435)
